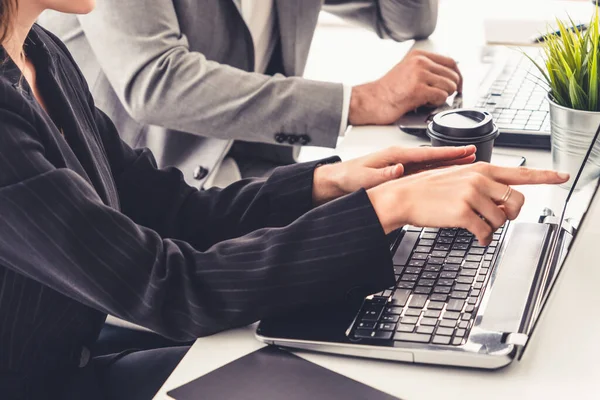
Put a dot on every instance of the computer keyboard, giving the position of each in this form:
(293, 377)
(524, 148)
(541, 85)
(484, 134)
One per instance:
(440, 278)
(517, 97)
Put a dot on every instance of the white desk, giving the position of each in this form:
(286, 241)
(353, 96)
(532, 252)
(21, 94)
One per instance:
(559, 364)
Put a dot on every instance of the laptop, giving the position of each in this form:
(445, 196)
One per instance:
(455, 301)
(512, 90)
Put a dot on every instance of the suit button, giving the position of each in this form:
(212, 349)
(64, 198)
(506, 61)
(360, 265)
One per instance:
(304, 140)
(293, 139)
(200, 172)
(280, 137)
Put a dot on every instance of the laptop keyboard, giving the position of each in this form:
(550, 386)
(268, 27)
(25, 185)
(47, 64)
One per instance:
(517, 99)
(440, 278)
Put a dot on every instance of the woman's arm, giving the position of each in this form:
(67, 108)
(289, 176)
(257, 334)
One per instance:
(56, 230)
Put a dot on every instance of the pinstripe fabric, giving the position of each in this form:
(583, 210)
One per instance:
(90, 227)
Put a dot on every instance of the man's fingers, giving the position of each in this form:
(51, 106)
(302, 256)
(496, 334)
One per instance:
(382, 175)
(446, 62)
(524, 176)
(440, 82)
(446, 72)
(433, 96)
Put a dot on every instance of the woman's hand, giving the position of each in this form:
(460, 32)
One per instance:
(476, 197)
(335, 180)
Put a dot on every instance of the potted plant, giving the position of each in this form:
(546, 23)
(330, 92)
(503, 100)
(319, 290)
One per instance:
(571, 71)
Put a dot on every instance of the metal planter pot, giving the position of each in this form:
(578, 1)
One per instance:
(572, 132)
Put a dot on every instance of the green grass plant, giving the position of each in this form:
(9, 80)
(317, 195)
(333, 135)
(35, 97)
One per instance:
(570, 65)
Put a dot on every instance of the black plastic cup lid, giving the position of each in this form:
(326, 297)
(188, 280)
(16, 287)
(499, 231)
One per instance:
(462, 123)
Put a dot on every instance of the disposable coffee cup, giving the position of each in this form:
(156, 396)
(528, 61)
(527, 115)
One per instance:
(462, 127)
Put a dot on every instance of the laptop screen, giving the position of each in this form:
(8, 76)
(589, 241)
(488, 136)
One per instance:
(577, 200)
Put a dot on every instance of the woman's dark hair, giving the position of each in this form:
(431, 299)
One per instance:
(8, 8)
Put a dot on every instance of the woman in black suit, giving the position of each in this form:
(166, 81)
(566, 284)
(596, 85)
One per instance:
(90, 227)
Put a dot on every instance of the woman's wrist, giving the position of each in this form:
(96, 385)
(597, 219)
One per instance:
(390, 208)
(325, 184)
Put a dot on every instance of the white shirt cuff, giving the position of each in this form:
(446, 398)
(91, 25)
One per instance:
(345, 110)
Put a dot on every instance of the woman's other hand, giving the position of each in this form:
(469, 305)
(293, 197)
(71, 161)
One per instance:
(335, 180)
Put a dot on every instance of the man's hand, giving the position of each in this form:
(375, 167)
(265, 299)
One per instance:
(421, 78)
(335, 180)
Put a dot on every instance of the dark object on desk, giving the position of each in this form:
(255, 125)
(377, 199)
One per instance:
(272, 373)
(543, 38)
(464, 127)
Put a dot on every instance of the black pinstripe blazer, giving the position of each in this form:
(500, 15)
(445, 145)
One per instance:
(90, 226)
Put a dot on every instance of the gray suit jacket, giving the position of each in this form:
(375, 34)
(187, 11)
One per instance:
(159, 68)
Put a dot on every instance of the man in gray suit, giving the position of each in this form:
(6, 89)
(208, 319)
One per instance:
(229, 69)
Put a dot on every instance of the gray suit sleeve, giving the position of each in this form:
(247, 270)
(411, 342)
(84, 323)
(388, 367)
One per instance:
(160, 81)
(396, 19)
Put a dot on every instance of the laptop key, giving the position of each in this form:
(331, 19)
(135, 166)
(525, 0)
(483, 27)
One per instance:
(412, 337)
(455, 305)
(426, 282)
(465, 279)
(433, 268)
(480, 278)
(472, 300)
(477, 251)
(449, 274)
(451, 267)
(429, 275)
(429, 235)
(426, 242)
(432, 313)
(390, 318)
(460, 246)
(468, 272)
(405, 285)
(457, 341)
(367, 324)
(471, 265)
(419, 256)
(435, 260)
(451, 315)
(442, 247)
(445, 282)
(470, 308)
(416, 263)
(454, 260)
(441, 339)
(475, 292)
(472, 257)
(413, 270)
(448, 323)
(444, 331)
(446, 240)
(422, 290)
(412, 312)
(410, 277)
(461, 332)
(368, 334)
(423, 249)
(437, 297)
(418, 301)
(405, 328)
(400, 297)
(429, 321)
(434, 230)
(462, 287)
(385, 326)
(439, 253)
(463, 324)
(425, 329)
(409, 320)
(436, 305)
(442, 289)
(393, 310)
(459, 295)
(457, 253)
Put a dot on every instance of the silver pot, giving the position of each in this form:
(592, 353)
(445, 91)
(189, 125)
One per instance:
(572, 132)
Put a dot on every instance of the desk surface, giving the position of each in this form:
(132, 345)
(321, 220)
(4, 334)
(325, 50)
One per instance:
(562, 361)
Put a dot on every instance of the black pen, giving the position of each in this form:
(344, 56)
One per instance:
(543, 38)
